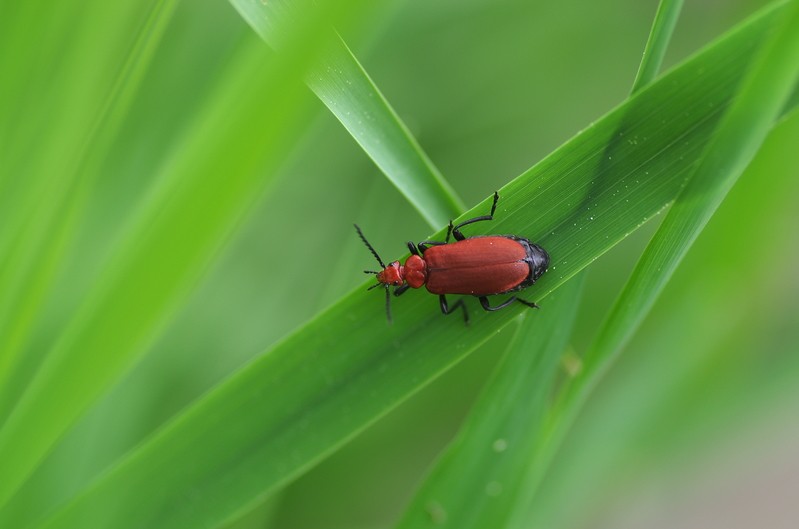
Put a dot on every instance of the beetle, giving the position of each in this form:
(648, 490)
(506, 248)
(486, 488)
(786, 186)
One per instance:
(480, 266)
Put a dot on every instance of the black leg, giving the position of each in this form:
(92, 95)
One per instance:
(530, 304)
(424, 245)
(400, 290)
(456, 230)
(488, 307)
(388, 306)
(485, 304)
(446, 309)
(449, 232)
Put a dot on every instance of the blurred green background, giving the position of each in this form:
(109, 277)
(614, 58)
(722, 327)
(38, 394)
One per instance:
(697, 425)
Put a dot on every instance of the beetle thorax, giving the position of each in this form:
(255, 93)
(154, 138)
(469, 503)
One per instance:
(415, 271)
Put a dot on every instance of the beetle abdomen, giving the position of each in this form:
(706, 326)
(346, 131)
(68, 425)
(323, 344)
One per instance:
(484, 280)
(478, 266)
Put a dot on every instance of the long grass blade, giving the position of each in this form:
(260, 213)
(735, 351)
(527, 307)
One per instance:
(319, 387)
(763, 94)
(343, 85)
(480, 480)
(201, 194)
(659, 36)
(41, 244)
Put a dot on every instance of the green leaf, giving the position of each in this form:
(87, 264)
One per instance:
(320, 386)
(765, 90)
(480, 479)
(761, 99)
(42, 233)
(473, 485)
(200, 195)
(659, 37)
(345, 88)
(704, 371)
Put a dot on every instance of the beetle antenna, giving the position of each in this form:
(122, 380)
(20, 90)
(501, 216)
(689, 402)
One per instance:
(375, 286)
(388, 305)
(360, 234)
(370, 272)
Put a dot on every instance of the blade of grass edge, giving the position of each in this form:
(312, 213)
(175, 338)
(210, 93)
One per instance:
(342, 84)
(668, 399)
(659, 36)
(192, 209)
(762, 97)
(327, 381)
(53, 230)
(477, 480)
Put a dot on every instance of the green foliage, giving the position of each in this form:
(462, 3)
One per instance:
(659, 37)
(762, 97)
(345, 88)
(482, 479)
(136, 141)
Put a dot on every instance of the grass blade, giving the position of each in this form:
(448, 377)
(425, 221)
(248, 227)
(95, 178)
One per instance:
(42, 243)
(480, 479)
(762, 97)
(310, 393)
(346, 89)
(659, 36)
(201, 194)
(764, 92)
(707, 370)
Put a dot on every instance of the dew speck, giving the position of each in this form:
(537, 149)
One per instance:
(500, 445)
(436, 512)
(494, 488)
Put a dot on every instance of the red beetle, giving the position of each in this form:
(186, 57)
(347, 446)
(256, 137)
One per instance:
(477, 266)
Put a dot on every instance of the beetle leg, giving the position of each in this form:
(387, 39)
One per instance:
(449, 231)
(388, 306)
(400, 290)
(424, 245)
(485, 304)
(494, 204)
(530, 304)
(456, 230)
(412, 248)
(446, 309)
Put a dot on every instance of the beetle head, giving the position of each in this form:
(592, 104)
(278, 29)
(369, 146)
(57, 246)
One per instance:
(389, 275)
(392, 274)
